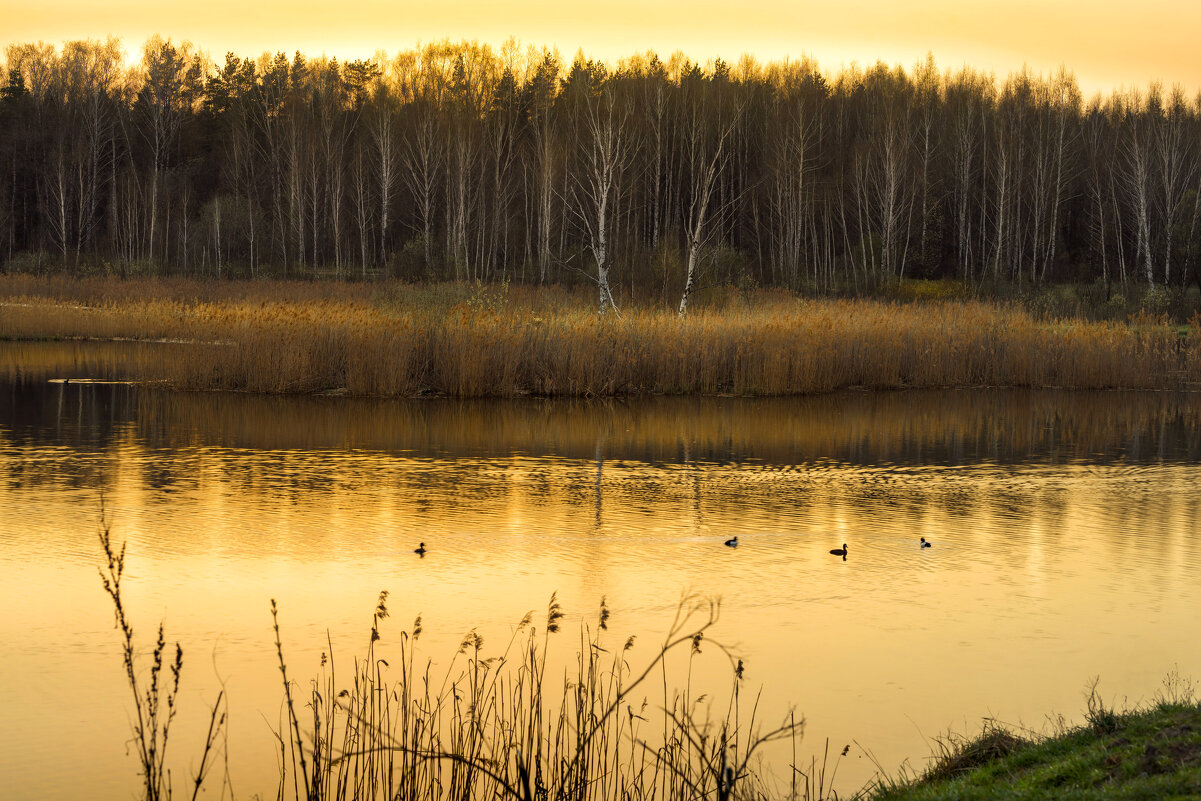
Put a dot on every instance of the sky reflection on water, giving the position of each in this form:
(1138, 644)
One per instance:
(1065, 531)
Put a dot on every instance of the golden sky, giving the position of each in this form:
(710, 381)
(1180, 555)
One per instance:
(1106, 42)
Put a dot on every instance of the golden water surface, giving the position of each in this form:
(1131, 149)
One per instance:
(1065, 530)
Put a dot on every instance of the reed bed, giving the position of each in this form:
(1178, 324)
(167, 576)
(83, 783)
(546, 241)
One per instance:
(468, 341)
(512, 724)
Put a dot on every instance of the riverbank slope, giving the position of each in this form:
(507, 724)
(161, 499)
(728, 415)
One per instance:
(1152, 753)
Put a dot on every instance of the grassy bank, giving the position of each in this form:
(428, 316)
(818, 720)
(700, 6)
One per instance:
(473, 341)
(1150, 753)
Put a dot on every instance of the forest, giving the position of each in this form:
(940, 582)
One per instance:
(459, 161)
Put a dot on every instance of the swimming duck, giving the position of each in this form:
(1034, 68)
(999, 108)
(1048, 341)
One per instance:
(420, 550)
(732, 542)
(926, 544)
(840, 551)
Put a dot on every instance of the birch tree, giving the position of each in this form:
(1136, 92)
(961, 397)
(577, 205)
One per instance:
(1136, 161)
(709, 119)
(382, 120)
(163, 101)
(543, 158)
(1175, 141)
(603, 149)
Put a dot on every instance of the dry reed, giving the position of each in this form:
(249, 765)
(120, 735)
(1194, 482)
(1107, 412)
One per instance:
(156, 693)
(467, 341)
(494, 726)
(499, 727)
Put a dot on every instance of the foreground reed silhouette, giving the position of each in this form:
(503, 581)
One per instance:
(495, 726)
(151, 721)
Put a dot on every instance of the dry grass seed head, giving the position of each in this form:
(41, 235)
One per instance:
(554, 613)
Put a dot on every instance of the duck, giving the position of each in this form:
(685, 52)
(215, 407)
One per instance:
(732, 542)
(420, 550)
(840, 551)
(926, 544)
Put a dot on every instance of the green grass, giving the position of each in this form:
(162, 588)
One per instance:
(1151, 753)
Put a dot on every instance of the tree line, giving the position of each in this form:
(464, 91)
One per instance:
(457, 160)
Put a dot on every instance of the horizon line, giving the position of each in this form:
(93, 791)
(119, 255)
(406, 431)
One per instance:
(1089, 90)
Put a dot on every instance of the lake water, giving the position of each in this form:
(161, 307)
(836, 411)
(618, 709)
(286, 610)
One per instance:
(1065, 527)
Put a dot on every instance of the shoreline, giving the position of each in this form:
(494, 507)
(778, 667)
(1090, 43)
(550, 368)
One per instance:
(1152, 751)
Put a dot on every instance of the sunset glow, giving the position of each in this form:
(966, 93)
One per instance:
(746, 399)
(1106, 43)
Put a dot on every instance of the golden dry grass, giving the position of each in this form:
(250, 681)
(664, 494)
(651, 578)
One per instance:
(459, 340)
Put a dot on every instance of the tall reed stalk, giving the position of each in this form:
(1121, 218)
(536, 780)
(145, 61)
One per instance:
(500, 727)
(155, 694)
